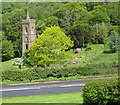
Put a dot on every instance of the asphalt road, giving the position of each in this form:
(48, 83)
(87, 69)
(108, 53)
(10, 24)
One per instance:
(42, 88)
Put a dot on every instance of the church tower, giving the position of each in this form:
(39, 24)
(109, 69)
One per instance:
(28, 32)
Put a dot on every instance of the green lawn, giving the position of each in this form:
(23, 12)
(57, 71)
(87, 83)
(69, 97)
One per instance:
(52, 98)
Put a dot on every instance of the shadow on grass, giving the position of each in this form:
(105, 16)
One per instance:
(108, 52)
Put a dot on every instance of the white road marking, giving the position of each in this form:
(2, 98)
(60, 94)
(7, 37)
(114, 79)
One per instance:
(3, 90)
(72, 85)
(17, 89)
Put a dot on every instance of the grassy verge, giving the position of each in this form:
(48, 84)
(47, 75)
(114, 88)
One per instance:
(52, 98)
(60, 79)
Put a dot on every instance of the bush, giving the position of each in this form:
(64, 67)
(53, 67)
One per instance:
(104, 92)
(114, 41)
(26, 59)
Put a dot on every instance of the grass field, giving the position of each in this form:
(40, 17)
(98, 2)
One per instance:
(52, 98)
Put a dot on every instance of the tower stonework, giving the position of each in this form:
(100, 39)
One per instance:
(28, 32)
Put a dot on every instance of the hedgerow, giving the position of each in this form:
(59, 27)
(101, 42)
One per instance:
(37, 73)
(103, 92)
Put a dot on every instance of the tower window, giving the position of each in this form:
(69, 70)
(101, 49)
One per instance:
(26, 30)
(32, 30)
(26, 46)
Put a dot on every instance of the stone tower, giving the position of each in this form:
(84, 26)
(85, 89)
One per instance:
(28, 32)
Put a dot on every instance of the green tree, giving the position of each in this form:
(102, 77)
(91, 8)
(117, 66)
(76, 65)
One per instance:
(114, 41)
(51, 21)
(12, 24)
(71, 14)
(112, 11)
(12, 27)
(50, 47)
(17, 45)
(99, 15)
(100, 33)
(42, 24)
(7, 50)
(80, 34)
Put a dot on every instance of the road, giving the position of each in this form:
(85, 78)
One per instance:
(45, 88)
(42, 88)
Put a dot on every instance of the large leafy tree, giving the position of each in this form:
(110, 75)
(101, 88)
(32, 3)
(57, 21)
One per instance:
(99, 15)
(80, 34)
(12, 24)
(12, 27)
(112, 12)
(50, 47)
(71, 14)
(42, 24)
(100, 33)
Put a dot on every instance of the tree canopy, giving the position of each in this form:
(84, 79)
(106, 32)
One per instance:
(50, 47)
(68, 15)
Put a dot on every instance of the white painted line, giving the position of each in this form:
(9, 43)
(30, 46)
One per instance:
(18, 89)
(72, 85)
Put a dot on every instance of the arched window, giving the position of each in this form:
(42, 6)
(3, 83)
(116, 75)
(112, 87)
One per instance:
(26, 30)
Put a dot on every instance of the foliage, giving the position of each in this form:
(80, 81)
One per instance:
(77, 33)
(42, 24)
(65, 15)
(50, 47)
(112, 11)
(90, 5)
(12, 27)
(99, 15)
(71, 14)
(114, 41)
(26, 59)
(101, 92)
(100, 33)
(17, 45)
(38, 73)
(7, 50)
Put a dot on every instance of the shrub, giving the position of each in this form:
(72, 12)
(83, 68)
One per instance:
(114, 41)
(101, 92)
(26, 59)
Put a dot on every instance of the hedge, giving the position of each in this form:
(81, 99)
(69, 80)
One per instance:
(103, 92)
(58, 72)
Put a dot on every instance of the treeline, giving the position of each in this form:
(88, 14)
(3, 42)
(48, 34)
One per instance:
(84, 22)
